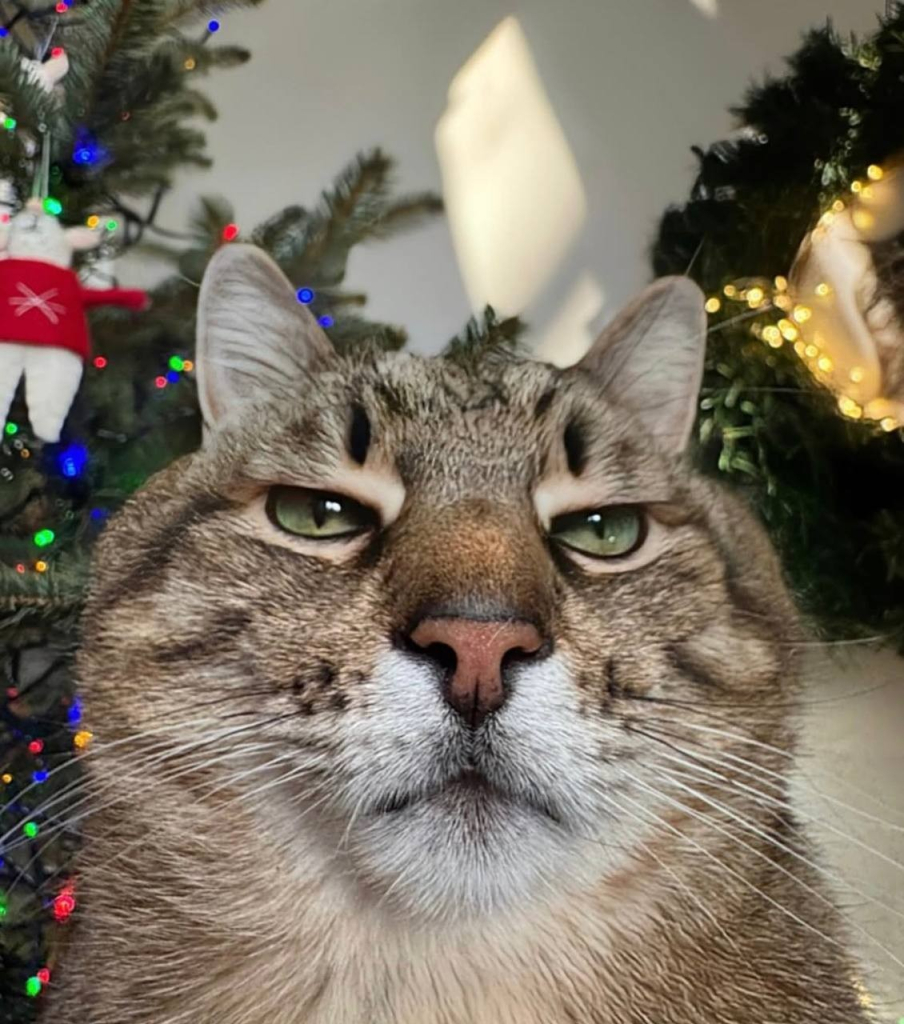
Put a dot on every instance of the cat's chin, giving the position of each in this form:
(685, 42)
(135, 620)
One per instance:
(463, 850)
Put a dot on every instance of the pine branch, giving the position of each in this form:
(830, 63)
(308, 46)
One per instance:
(488, 338)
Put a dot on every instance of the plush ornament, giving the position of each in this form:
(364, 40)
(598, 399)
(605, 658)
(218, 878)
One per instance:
(43, 329)
(847, 284)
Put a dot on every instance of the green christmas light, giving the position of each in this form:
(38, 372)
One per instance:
(53, 206)
(44, 537)
(2, 907)
(30, 828)
(112, 225)
(11, 428)
(9, 123)
(33, 986)
(176, 363)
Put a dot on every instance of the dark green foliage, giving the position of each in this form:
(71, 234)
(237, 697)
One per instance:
(486, 338)
(826, 487)
(129, 94)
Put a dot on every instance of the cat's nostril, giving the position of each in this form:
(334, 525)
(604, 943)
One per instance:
(442, 654)
(473, 656)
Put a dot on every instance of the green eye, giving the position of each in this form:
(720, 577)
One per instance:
(317, 514)
(601, 532)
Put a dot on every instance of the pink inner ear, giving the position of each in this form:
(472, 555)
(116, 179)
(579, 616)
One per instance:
(83, 238)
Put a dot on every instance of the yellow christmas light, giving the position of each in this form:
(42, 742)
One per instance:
(812, 351)
(822, 289)
(827, 218)
(773, 336)
(40, 566)
(755, 297)
(781, 283)
(856, 186)
(856, 374)
(824, 363)
(730, 291)
(875, 173)
(802, 314)
(838, 205)
(800, 348)
(784, 302)
(82, 738)
(789, 331)
(867, 192)
(713, 305)
(888, 423)
(93, 221)
(849, 408)
(6, 777)
(190, 64)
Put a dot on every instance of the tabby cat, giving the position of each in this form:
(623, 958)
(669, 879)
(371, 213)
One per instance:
(439, 691)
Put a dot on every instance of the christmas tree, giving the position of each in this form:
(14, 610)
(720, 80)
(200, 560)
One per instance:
(795, 230)
(99, 107)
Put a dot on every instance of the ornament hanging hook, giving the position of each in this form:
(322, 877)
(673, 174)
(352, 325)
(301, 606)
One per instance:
(41, 184)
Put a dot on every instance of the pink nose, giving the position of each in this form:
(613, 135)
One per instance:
(474, 656)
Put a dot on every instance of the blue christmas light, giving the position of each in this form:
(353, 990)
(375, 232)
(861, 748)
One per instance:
(39, 776)
(87, 150)
(99, 513)
(74, 714)
(213, 25)
(325, 321)
(305, 295)
(4, 31)
(172, 376)
(72, 460)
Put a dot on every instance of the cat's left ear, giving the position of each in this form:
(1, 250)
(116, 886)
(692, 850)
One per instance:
(649, 360)
(255, 339)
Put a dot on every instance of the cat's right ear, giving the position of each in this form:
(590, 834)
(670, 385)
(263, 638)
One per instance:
(254, 338)
(649, 360)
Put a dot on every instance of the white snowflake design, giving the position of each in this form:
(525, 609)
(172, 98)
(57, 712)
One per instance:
(28, 299)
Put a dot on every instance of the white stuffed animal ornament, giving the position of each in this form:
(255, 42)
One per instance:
(43, 330)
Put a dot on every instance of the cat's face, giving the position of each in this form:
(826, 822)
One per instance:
(448, 625)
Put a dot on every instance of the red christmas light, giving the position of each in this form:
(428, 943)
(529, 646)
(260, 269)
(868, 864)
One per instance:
(64, 903)
(160, 382)
(230, 232)
(20, 568)
(12, 692)
(100, 362)
(62, 7)
(43, 975)
(36, 746)
(57, 51)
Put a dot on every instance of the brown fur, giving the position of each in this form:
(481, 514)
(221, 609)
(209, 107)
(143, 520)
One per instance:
(215, 890)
